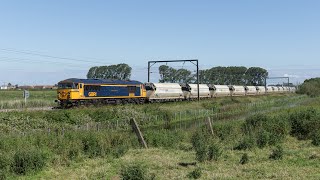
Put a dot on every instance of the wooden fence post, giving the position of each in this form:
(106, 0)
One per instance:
(209, 125)
(136, 129)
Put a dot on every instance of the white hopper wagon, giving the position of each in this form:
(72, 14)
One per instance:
(271, 89)
(275, 89)
(190, 91)
(281, 89)
(219, 90)
(261, 90)
(292, 89)
(237, 90)
(251, 90)
(286, 89)
(157, 92)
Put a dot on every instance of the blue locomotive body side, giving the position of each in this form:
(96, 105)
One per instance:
(111, 91)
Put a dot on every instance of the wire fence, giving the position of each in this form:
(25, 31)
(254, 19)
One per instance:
(179, 120)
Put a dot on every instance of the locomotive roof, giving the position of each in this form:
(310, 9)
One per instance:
(99, 81)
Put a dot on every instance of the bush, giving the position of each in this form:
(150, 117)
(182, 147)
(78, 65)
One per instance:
(3, 175)
(244, 159)
(212, 105)
(254, 124)
(163, 138)
(5, 162)
(91, 145)
(262, 139)
(248, 142)
(133, 172)
(195, 174)
(277, 153)
(316, 139)
(214, 152)
(28, 160)
(199, 142)
(119, 151)
(265, 130)
(304, 123)
(311, 87)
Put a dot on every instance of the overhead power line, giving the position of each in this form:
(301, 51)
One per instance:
(51, 56)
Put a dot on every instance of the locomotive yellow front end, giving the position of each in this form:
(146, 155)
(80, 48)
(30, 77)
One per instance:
(68, 93)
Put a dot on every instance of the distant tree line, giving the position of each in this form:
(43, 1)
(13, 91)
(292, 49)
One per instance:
(216, 75)
(118, 71)
(311, 87)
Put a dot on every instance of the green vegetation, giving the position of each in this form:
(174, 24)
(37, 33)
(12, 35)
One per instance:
(215, 75)
(118, 71)
(134, 172)
(311, 87)
(253, 137)
(13, 99)
(195, 174)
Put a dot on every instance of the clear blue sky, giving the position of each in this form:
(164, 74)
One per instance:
(281, 36)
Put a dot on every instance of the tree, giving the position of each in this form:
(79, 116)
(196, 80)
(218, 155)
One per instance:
(233, 75)
(172, 75)
(119, 71)
(256, 76)
(311, 87)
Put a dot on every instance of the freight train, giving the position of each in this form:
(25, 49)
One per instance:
(75, 92)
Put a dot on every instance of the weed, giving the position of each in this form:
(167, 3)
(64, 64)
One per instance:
(199, 142)
(28, 160)
(214, 152)
(277, 153)
(316, 139)
(195, 174)
(262, 139)
(244, 159)
(134, 172)
(248, 142)
(304, 122)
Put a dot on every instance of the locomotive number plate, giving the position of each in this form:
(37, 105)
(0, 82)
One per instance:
(92, 94)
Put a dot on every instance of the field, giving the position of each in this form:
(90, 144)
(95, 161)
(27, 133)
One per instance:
(266, 137)
(13, 99)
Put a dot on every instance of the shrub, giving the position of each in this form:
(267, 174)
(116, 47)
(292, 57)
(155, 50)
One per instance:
(244, 159)
(254, 124)
(199, 142)
(225, 131)
(214, 152)
(5, 162)
(310, 87)
(248, 142)
(212, 105)
(163, 138)
(304, 122)
(28, 160)
(119, 151)
(316, 139)
(133, 172)
(265, 129)
(195, 174)
(91, 145)
(277, 153)
(262, 139)
(3, 175)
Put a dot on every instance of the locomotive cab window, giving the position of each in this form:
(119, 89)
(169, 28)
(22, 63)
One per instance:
(65, 86)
